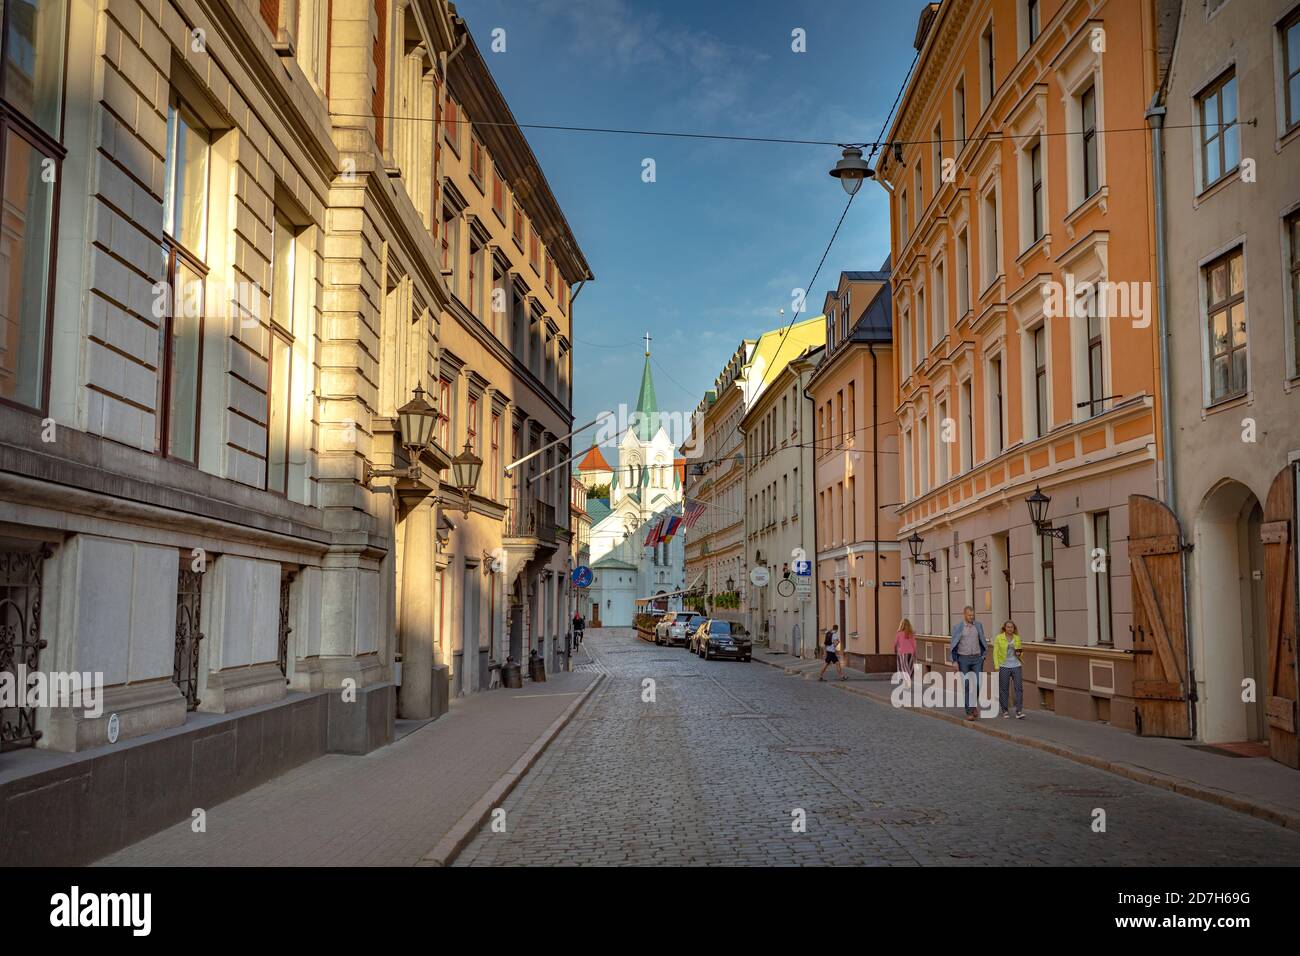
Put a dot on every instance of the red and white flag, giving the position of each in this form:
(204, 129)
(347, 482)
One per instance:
(693, 511)
(653, 537)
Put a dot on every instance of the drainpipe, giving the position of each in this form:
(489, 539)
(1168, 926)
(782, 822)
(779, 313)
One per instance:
(875, 485)
(811, 476)
(1155, 117)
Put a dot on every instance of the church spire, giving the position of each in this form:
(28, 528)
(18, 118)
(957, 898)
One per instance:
(647, 406)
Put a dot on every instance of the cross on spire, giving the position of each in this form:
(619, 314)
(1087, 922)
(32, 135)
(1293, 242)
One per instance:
(647, 344)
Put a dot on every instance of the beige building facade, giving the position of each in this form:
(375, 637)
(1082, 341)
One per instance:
(855, 474)
(1232, 231)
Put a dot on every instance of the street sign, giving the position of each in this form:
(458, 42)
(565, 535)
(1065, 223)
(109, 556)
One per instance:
(759, 576)
(803, 568)
(891, 584)
(583, 576)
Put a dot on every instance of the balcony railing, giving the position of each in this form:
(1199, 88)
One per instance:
(530, 518)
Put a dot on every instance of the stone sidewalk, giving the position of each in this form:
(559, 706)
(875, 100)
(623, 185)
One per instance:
(1255, 785)
(409, 803)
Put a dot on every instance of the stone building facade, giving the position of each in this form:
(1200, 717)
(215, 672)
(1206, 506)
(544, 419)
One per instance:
(245, 243)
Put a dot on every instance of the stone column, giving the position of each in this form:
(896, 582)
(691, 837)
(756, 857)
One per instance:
(415, 625)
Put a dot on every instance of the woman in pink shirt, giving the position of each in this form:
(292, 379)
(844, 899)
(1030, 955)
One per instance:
(905, 648)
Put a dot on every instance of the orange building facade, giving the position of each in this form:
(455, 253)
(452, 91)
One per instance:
(1024, 321)
(855, 472)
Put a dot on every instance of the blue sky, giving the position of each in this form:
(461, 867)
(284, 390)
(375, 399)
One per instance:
(708, 253)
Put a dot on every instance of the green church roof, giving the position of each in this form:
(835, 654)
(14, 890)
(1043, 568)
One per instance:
(647, 406)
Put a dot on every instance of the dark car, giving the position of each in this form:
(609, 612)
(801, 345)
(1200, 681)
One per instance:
(716, 638)
(677, 627)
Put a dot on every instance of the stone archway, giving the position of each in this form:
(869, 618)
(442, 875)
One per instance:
(1229, 602)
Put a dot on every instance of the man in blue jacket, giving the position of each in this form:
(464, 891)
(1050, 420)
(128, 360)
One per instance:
(967, 648)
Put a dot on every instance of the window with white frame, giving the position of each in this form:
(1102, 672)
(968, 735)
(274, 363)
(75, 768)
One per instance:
(967, 422)
(963, 273)
(1220, 141)
(1290, 95)
(943, 435)
(1293, 243)
(922, 327)
(936, 158)
(996, 410)
(959, 115)
(903, 220)
(1042, 396)
(313, 40)
(923, 456)
(989, 230)
(280, 371)
(1225, 311)
(1035, 194)
(905, 329)
(1089, 169)
(940, 302)
(988, 68)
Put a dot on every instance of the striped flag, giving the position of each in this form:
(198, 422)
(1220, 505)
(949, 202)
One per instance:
(670, 527)
(694, 509)
(653, 537)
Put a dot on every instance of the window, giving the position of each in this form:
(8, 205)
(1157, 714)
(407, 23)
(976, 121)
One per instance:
(451, 125)
(1293, 232)
(996, 440)
(940, 304)
(967, 426)
(1225, 309)
(471, 423)
(444, 413)
(1040, 380)
(988, 85)
(1291, 69)
(498, 195)
(905, 327)
(313, 40)
(1088, 127)
(185, 222)
(903, 220)
(794, 502)
(1031, 19)
(942, 434)
(476, 278)
(1049, 588)
(1101, 576)
(989, 227)
(1220, 140)
(494, 461)
(1096, 358)
(518, 227)
(280, 373)
(959, 115)
(1036, 190)
(936, 157)
(476, 161)
(534, 252)
(963, 273)
(31, 114)
(450, 245)
(919, 190)
(550, 273)
(922, 327)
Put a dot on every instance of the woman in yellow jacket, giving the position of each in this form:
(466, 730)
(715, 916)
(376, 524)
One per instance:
(1006, 658)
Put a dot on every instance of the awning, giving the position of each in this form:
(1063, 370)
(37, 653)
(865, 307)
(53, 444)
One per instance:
(698, 586)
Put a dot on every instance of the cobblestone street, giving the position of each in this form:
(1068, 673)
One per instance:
(716, 768)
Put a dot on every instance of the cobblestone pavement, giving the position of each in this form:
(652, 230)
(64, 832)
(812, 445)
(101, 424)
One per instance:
(715, 769)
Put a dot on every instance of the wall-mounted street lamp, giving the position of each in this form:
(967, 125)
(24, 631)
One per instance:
(416, 420)
(852, 170)
(465, 468)
(731, 584)
(914, 546)
(1038, 503)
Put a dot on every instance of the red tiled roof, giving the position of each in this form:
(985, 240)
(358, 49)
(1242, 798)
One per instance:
(594, 461)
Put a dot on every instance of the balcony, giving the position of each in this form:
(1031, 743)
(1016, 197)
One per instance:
(531, 518)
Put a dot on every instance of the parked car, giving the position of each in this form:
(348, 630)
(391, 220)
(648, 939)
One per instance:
(677, 627)
(714, 638)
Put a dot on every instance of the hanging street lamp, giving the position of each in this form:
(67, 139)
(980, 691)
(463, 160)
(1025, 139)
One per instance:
(1037, 503)
(415, 419)
(852, 170)
(465, 469)
(914, 546)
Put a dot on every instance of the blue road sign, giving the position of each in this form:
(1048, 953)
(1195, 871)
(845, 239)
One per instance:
(583, 576)
(803, 568)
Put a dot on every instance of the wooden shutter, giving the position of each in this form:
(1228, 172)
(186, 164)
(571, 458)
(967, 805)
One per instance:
(1159, 626)
(1278, 535)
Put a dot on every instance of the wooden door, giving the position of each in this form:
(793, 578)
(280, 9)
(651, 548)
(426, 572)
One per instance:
(1160, 690)
(1278, 535)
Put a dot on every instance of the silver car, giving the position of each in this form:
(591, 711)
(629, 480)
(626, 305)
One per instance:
(677, 627)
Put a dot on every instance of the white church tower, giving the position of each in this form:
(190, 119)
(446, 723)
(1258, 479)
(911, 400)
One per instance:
(646, 488)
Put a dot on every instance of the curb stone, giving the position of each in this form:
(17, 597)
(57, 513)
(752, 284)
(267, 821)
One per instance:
(465, 829)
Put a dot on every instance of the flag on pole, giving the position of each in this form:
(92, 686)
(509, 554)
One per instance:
(670, 527)
(653, 537)
(692, 514)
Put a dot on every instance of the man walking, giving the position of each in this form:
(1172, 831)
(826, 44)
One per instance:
(968, 647)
